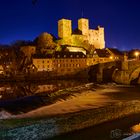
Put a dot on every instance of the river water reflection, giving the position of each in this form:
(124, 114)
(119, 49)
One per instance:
(17, 90)
(16, 97)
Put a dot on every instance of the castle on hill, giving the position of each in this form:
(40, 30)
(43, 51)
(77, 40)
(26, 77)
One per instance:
(82, 36)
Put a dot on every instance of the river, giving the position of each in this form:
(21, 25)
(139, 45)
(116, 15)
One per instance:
(30, 96)
(113, 130)
(23, 97)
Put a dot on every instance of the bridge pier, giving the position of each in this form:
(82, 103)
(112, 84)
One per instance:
(99, 74)
(139, 79)
(125, 63)
(122, 72)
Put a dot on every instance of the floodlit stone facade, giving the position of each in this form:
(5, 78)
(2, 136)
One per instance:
(82, 37)
(61, 63)
(64, 28)
(43, 64)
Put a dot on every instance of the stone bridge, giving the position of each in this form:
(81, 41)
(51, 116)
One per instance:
(123, 72)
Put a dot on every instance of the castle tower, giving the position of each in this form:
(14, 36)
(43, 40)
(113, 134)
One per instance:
(83, 25)
(64, 28)
(101, 37)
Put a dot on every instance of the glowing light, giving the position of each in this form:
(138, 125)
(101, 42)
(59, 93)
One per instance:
(111, 57)
(136, 54)
(136, 128)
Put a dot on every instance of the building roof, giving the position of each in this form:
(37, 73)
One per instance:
(69, 55)
(101, 53)
(41, 56)
(62, 54)
(115, 51)
(76, 49)
(28, 46)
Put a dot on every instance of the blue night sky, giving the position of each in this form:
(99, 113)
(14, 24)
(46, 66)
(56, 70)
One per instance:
(21, 20)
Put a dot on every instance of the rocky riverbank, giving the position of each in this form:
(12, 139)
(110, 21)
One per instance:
(56, 125)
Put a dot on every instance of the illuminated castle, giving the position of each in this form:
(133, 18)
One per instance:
(82, 36)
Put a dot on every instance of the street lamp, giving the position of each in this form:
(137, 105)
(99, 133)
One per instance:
(137, 55)
(111, 57)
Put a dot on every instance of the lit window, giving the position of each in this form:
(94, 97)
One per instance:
(59, 65)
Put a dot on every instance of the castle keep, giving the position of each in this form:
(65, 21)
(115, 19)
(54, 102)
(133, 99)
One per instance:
(82, 36)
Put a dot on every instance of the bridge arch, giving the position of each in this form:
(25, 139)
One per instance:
(134, 74)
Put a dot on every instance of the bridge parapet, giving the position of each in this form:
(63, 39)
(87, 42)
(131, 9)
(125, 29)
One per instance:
(130, 75)
(133, 64)
(123, 72)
